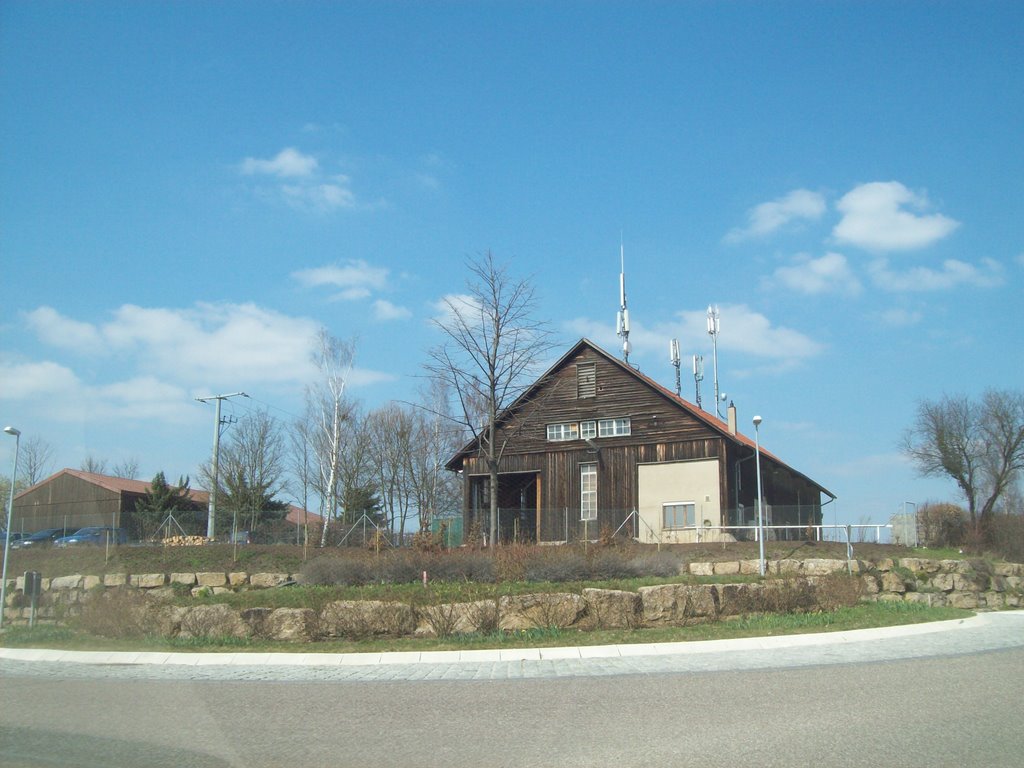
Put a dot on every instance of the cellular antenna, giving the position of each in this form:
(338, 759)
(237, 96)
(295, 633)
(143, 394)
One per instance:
(622, 321)
(713, 328)
(698, 375)
(673, 356)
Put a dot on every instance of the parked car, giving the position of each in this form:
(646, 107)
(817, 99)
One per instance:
(15, 536)
(96, 535)
(40, 539)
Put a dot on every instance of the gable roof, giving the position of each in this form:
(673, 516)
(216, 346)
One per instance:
(141, 488)
(709, 420)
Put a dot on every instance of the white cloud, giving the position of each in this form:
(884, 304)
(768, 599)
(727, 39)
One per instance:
(875, 218)
(742, 331)
(40, 379)
(320, 198)
(385, 310)
(288, 163)
(357, 279)
(58, 331)
(800, 204)
(829, 274)
(952, 274)
(456, 304)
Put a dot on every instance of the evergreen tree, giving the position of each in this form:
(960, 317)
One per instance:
(162, 499)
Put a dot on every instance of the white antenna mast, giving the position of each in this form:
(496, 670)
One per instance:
(713, 328)
(673, 356)
(698, 375)
(622, 321)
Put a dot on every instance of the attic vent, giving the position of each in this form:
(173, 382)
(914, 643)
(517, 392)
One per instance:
(586, 380)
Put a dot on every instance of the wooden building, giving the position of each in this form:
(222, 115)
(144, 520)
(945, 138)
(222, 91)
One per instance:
(594, 445)
(74, 499)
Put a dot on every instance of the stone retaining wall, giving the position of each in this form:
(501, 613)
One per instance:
(791, 585)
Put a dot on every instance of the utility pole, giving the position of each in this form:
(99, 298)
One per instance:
(212, 515)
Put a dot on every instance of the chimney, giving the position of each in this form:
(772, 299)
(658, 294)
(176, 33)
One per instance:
(731, 415)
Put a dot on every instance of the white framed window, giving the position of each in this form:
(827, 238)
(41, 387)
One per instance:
(613, 427)
(586, 380)
(679, 514)
(566, 431)
(588, 491)
(588, 429)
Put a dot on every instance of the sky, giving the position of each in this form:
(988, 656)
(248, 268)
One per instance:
(190, 191)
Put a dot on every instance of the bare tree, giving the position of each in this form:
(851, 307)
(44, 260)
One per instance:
(392, 430)
(436, 439)
(326, 413)
(493, 344)
(93, 465)
(980, 445)
(251, 468)
(128, 469)
(36, 460)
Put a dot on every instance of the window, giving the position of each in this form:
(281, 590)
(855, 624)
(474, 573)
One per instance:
(679, 515)
(586, 380)
(588, 491)
(613, 427)
(567, 431)
(588, 429)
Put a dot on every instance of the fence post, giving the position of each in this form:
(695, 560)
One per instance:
(849, 551)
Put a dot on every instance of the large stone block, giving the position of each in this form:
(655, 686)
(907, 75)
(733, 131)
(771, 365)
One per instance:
(819, 566)
(211, 579)
(555, 609)
(148, 580)
(612, 608)
(893, 582)
(267, 580)
(702, 569)
(188, 579)
(66, 582)
(300, 624)
(967, 600)
(675, 603)
(115, 579)
(238, 578)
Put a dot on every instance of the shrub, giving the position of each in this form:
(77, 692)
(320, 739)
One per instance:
(838, 590)
(347, 570)
(554, 564)
(117, 613)
(662, 563)
(1004, 537)
(941, 525)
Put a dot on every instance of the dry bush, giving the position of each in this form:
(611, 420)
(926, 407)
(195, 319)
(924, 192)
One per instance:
(794, 595)
(662, 563)
(483, 616)
(510, 562)
(350, 569)
(442, 618)
(122, 612)
(555, 564)
(942, 525)
(1004, 536)
(838, 590)
(605, 564)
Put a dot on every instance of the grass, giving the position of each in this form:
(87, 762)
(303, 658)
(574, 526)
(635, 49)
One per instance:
(863, 616)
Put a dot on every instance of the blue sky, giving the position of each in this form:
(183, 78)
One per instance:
(188, 191)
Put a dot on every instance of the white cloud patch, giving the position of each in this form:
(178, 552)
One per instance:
(355, 279)
(456, 305)
(875, 216)
(954, 273)
(164, 358)
(321, 198)
(300, 183)
(385, 310)
(287, 164)
(829, 274)
(762, 220)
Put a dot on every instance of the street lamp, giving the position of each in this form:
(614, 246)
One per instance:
(760, 498)
(10, 519)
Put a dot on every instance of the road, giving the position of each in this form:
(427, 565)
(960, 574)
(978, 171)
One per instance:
(944, 698)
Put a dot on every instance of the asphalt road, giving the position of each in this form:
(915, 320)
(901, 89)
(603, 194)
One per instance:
(949, 698)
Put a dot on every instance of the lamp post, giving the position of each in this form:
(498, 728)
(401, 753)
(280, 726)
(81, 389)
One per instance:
(10, 519)
(760, 499)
